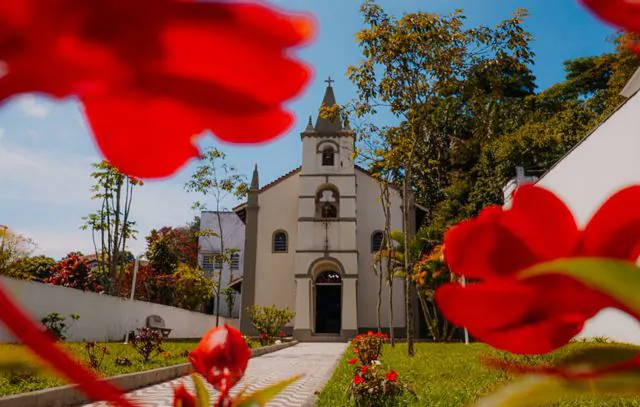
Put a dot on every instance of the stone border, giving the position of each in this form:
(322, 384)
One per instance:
(65, 396)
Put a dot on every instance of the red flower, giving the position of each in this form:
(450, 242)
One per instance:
(357, 379)
(154, 74)
(182, 397)
(221, 357)
(364, 369)
(352, 361)
(392, 375)
(539, 314)
(621, 13)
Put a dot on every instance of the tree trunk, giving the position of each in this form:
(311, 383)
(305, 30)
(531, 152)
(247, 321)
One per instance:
(219, 288)
(406, 205)
(386, 207)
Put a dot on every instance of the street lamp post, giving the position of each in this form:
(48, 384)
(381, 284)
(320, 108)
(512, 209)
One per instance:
(466, 332)
(136, 265)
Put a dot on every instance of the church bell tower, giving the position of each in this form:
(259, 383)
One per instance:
(326, 255)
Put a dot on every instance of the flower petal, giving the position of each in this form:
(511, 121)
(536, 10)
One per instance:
(538, 227)
(614, 230)
(621, 13)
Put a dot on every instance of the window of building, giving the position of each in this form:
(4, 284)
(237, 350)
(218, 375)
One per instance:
(280, 242)
(376, 240)
(327, 203)
(328, 156)
(235, 261)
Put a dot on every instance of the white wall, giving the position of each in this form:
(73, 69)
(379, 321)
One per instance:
(370, 219)
(275, 281)
(609, 159)
(233, 233)
(102, 318)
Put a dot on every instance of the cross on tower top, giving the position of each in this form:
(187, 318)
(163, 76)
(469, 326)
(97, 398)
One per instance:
(329, 81)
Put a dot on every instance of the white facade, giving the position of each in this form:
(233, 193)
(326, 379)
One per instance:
(327, 212)
(233, 233)
(604, 162)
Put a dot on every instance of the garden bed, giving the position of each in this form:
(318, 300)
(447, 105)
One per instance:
(19, 380)
(451, 375)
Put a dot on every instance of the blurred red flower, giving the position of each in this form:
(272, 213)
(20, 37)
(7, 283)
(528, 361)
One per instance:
(182, 397)
(392, 375)
(357, 380)
(621, 13)
(539, 314)
(221, 357)
(152, 74)
(352, 361)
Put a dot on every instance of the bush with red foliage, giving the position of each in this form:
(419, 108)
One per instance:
(73, 272)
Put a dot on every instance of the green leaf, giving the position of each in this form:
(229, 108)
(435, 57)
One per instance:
(261, 397)
(616, 278)
(202, 395)
(534, 390)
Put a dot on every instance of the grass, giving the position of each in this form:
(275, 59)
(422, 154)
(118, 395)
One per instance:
(451, 375)
(33, 376)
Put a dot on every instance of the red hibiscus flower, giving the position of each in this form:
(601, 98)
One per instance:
(221, 357)
(364, 369)
(357, 379)
(182, 397)
(154, 74)
(352, 361)
(539, 314)
(621, 13)
(392, 375)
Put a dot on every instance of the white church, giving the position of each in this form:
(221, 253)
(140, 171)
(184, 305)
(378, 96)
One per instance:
(309, 240)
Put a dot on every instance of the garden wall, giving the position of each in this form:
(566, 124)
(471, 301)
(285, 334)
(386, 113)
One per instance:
(102, 317)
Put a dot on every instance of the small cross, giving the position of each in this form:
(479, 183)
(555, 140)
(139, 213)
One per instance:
(329, 81)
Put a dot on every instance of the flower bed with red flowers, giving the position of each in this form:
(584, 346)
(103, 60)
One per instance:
(372, 384)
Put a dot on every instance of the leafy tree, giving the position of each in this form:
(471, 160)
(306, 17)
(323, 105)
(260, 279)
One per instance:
(73, 272)
(216, 179)
(111, 224)
(14, 248)
(415, 66)
(36, 267)
(192, 288)
(161, 254)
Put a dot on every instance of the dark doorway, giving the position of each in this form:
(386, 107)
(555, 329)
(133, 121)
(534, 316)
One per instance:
(328, 303)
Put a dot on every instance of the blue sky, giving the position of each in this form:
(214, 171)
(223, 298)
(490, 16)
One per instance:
(46, 150)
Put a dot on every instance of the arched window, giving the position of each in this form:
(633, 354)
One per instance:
(327, 203)
(328, 156)
(376, 240)
(280, 241)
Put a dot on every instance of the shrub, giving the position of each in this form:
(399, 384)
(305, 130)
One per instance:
(56, 325)
(95, 355)
(73, 272)
(148, 343)
(269, 321)
(368, 347)
(374, 386)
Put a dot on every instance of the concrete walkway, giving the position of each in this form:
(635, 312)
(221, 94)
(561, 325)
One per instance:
(316, 361)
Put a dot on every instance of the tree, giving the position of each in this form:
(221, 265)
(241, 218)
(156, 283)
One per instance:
(14, 248)
(412, 66)
(215, 178)
(161, 254)
(191, 287)
(111, 223)
(36, 267)
(73, 272)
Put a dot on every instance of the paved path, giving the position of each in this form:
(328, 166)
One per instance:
(314, 360)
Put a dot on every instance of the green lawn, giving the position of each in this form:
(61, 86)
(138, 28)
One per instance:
(451, 375)
(19, 380)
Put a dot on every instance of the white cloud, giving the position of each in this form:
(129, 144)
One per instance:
(59, 183)
(1, 133)
(31, 107)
